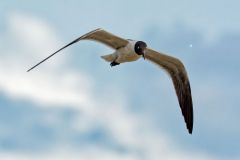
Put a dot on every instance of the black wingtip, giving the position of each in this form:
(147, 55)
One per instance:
(29, 70)
(76, 40)
(190, 131)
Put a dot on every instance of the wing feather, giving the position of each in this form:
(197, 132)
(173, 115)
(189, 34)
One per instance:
(178, 74)
(106, 38)
(98, 35)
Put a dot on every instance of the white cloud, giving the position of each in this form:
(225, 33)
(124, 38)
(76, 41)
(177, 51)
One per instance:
(31, 35)
(30, 38)
(51, 88)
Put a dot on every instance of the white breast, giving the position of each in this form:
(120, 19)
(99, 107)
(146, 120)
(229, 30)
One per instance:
(127, 54)
(131, 44)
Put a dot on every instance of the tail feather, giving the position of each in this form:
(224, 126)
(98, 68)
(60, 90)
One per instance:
(109, 57)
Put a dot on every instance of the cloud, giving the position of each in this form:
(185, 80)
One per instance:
(212, 71)
(117, 132)
(101, 154)
(32, 37)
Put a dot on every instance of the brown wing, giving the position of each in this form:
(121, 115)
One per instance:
(98, 35)
(106, 38)
(176, 70)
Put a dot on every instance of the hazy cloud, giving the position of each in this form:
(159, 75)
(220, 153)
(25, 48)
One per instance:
(30, 117)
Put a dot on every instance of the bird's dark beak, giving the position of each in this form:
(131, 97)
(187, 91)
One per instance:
(143, 55)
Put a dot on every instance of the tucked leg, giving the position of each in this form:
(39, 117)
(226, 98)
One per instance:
(114, 63)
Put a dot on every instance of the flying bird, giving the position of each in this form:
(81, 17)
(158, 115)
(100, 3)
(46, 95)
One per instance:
(127, 50)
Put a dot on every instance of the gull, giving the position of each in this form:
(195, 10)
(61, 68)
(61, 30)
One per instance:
(127, 50)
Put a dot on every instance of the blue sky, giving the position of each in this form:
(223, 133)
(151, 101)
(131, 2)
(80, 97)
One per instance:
(75, 106)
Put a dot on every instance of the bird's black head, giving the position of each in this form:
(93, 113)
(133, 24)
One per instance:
(140, 47)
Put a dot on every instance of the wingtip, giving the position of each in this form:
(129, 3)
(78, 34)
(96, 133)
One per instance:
(30, 69)
(190, 130)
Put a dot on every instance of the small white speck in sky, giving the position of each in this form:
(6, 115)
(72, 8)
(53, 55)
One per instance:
(190, 45)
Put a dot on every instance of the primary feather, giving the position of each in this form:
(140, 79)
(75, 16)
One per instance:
(176, 70)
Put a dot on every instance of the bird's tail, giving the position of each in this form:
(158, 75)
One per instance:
(109, 57)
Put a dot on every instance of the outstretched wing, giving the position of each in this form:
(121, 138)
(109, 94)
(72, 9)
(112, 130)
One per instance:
(98, 35)
(106, 38)
(176, 70)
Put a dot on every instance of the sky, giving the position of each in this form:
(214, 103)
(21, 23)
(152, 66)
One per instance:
(75, 106)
